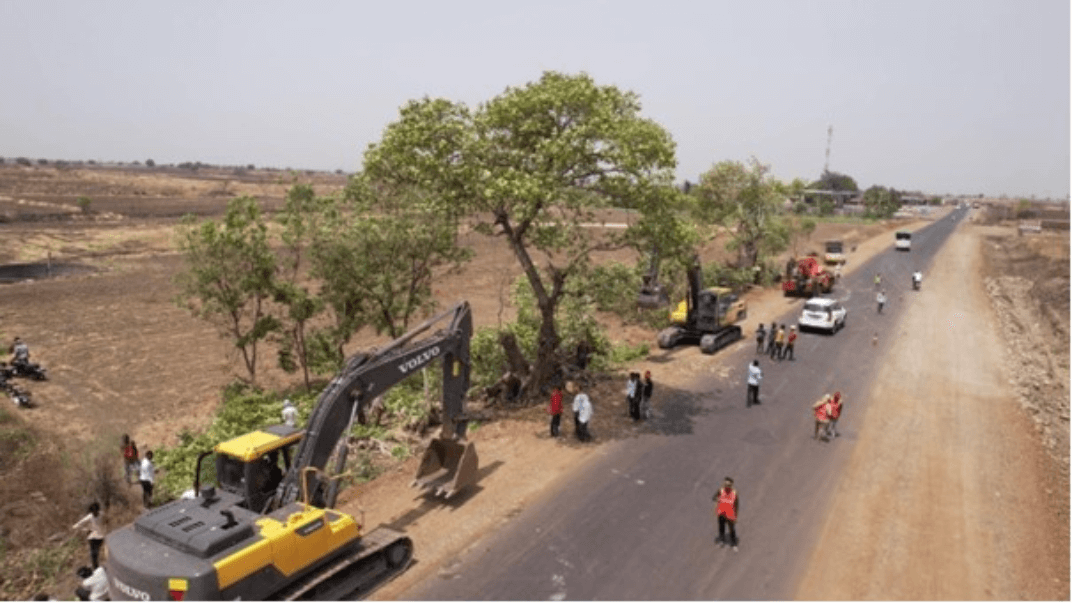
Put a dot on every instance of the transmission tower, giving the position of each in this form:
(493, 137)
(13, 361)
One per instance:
(829, 138)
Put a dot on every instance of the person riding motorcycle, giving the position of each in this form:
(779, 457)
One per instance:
(917, 279)
(21, 353)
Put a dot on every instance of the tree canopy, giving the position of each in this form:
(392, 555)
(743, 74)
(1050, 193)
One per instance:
(533, 166)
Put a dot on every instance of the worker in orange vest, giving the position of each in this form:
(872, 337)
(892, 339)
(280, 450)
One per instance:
(835, 414)
(822, 416)
(726, 511)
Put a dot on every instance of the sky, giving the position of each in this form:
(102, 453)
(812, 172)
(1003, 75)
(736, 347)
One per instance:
(941, 96)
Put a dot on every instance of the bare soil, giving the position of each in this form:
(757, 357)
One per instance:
(124, 359)
(948, 494)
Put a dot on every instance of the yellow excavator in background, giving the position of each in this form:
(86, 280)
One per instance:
(267, 529)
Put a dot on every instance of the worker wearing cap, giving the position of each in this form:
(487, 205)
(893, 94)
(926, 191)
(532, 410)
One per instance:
(790, 343)
(726, 507)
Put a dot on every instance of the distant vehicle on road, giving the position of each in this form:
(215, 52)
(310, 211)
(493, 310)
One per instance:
(904, 240)
(835, 252)
(822, 314)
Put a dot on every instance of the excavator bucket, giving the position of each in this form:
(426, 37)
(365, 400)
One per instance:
(447, 467)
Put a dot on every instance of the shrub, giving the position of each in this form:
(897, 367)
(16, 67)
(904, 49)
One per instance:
(84, 203)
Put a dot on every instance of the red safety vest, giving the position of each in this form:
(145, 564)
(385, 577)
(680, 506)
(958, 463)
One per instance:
(130, 453)
(727, 503)
(821, 412)
(835, 409)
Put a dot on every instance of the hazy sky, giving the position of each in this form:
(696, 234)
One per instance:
(943, 96)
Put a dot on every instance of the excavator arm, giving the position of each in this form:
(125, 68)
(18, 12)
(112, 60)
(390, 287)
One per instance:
(366, 376)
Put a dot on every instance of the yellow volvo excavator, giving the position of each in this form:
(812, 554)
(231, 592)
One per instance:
(266, 529)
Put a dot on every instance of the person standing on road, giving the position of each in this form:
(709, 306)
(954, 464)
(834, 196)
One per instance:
(145, 476)
(761, 334)
(555, 411)
(878, 281)
(881, 300)
(835, 413)
(92, 522)
(647, 387)
(821, 409)
(726, 508)
(770, 337)
(584, 416)
(779, 344)
(790, 342)
(755, 375)
(130, 459)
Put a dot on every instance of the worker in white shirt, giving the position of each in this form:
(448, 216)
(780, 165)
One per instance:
(92, 523)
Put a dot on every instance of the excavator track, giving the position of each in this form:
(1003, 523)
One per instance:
(381, 555)
(711, 343)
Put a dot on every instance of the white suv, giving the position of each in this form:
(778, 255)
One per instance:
(824, 314)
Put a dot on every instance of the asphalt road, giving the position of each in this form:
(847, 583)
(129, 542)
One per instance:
(638, 523)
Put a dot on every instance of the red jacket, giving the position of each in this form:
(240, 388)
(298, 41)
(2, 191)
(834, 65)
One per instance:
(556, 403)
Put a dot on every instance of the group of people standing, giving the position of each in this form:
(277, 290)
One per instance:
(582, 411)
(779, 341)
(143, 469)
(637, 396)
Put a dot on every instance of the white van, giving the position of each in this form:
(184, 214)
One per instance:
(904, 240)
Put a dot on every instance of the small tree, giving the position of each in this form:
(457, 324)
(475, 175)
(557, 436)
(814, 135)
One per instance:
(229, 276)
(84, 204)
(746, 200)
(150, 163)
(881, 202)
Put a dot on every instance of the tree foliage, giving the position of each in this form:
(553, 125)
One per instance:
(229, 276)
(833, 181)
(748, 201)
(881, 202)
(532, 165)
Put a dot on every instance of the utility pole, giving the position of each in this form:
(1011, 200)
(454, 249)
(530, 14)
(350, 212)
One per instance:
(829, 139)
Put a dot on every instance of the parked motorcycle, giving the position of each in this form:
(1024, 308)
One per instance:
(30, 370)
(19, 396)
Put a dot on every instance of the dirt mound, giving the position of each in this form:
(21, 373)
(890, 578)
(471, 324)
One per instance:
(1029, 290)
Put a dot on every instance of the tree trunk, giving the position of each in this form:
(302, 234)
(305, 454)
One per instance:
(518, 365)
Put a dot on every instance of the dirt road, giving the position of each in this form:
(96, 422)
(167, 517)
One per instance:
(948, 493)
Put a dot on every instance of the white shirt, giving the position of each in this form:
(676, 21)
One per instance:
(145, 473)
(93, 523)
(754, 374)
(880, 298)
(290, 415)
(579, 400)
(630, 388)
(586, 408)
(917, 276)
(97, 583)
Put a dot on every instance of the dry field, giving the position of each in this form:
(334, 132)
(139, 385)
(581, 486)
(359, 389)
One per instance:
(124, 359)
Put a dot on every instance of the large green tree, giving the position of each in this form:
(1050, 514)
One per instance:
(749, 203)
(881, 202)
(379, 252)
(230, 276)
(532, 166)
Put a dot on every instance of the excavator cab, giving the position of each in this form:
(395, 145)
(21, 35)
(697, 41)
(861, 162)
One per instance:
(252, 466)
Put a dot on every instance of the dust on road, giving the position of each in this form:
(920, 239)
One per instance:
(946, 493)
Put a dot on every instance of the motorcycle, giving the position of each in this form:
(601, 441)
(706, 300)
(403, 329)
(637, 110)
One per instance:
(31, 370)
(19, 396)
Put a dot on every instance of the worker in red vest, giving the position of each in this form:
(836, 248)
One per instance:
(822, 416)
(555, 411)
(726, 511)
(835, 414)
